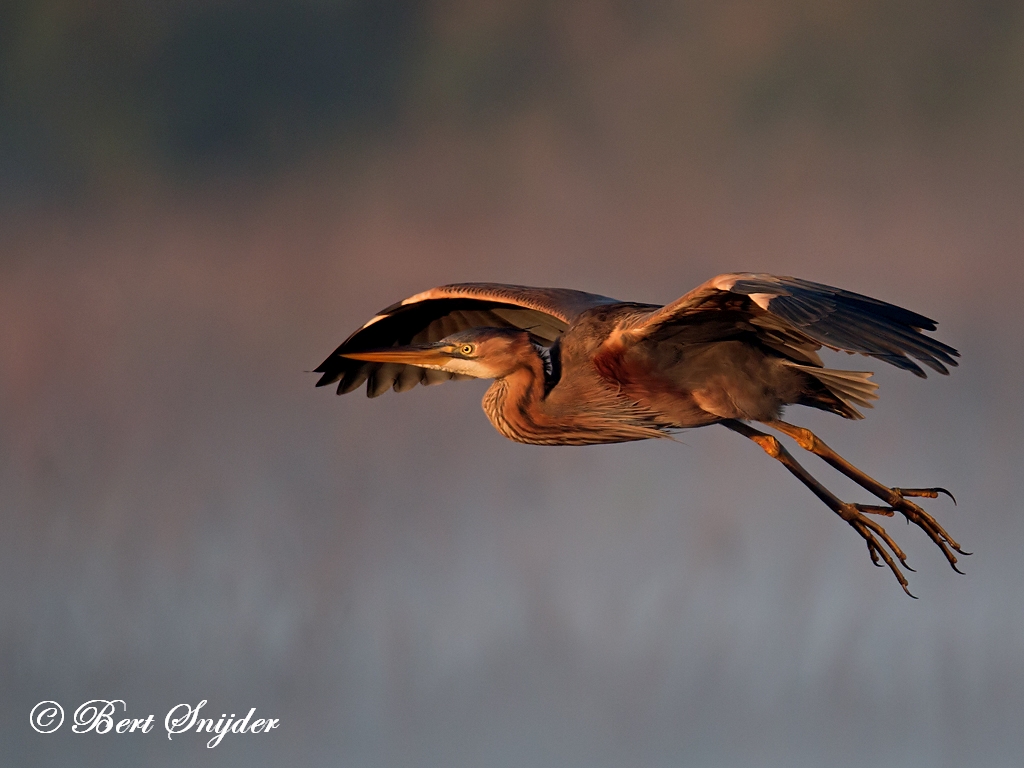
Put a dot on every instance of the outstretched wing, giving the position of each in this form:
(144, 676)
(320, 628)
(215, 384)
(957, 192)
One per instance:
(544, 313)
(798, 317)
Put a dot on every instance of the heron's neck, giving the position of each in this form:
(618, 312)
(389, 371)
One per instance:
(523, 409)
(517, 407)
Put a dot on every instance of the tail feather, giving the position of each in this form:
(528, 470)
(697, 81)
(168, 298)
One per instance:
(851, 388)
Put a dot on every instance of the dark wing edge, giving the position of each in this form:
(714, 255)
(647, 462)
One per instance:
(432, 315)
(811, 312)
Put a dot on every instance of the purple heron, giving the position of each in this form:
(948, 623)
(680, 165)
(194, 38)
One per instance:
(574, 368)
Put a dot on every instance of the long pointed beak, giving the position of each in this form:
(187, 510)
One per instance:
(434, 355)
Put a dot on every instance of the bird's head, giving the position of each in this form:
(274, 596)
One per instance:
(483, 353)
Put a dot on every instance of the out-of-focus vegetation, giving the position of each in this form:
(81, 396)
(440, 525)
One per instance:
(90, 89)
(113, 90)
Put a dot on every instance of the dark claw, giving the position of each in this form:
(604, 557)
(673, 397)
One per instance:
(928, 493)
(953, 566)
(874, 556)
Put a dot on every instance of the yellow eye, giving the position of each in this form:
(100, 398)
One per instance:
(466, 349)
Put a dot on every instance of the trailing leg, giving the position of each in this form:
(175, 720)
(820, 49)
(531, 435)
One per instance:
(851, 513)
(894, 497)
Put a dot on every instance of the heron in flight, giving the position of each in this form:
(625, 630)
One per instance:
(574, 368)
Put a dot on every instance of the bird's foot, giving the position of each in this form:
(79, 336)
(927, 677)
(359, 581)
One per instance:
(914, 514)
(871, 532)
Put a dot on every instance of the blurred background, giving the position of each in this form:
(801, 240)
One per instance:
(200, 199)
